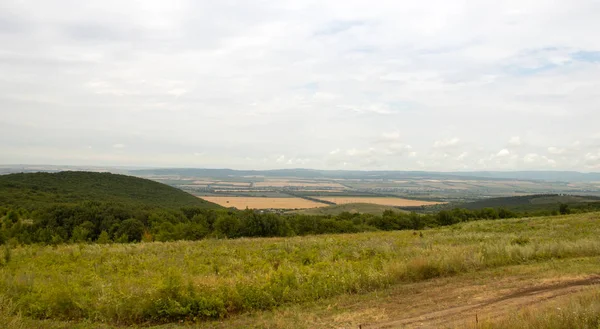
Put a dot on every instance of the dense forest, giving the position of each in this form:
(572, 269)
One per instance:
(34, 191)
(92, 207)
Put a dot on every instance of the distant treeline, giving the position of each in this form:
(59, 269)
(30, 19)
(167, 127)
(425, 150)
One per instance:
(105, 222)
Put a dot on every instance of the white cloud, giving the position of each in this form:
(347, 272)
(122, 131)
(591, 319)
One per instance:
(551, 162)
(531, 158)
(397, 149)
(592, 161)
(118, 146)
(391, 136)
(360, 153)
(351, 85)
(515, 141)
(556, 150)
(446, 143)
(539, 161)
(503, 153)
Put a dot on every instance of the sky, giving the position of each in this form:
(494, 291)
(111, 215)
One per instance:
(440, 85)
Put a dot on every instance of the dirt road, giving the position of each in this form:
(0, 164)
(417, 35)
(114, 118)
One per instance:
(479, 307)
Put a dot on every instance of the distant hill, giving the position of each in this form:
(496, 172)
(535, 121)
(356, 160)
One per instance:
(334, 210)
(33, 190)
(530, 202)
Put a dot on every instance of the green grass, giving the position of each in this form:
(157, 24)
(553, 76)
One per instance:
(37, 190)
(212, 279)
(361, 208)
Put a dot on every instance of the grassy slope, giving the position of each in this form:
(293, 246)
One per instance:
(33, 190)
(363, 208)
(407, 299)
(133, 283)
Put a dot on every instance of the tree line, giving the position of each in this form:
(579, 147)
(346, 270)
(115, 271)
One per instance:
(106, 222)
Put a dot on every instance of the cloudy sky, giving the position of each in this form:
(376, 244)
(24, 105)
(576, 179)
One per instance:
(407, 85)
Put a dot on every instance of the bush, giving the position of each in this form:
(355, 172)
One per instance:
(104, 238)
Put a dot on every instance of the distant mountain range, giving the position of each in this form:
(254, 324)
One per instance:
(555, 176)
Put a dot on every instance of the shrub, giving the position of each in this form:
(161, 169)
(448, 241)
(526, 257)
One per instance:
(103, 238)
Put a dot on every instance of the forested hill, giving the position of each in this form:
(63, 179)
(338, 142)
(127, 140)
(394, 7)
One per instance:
(35, 190)
(528, 203)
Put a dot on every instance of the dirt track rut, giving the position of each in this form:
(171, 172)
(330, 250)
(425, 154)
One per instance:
(488, 309)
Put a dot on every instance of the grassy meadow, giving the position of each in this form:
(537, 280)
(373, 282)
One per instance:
(144, 283)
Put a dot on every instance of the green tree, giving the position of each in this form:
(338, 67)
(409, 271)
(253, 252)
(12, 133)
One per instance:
(132, 228)
(228, 225)
(80, 234)
(123, 238)
(564, 209)
(444, 217)
(104, 238)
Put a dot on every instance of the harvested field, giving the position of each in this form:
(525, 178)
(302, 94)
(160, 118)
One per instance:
(240, 184)
(263, 203)
(296, 183)
(397, 202)
(323, 190)
(203, 182)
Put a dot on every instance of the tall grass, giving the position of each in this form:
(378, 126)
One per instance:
(162, 282)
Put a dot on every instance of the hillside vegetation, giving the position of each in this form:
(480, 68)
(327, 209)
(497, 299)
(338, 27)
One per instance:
(536, 203)
(96, 207)
(35, 190)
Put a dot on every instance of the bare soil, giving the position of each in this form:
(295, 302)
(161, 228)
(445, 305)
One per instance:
(482, 305)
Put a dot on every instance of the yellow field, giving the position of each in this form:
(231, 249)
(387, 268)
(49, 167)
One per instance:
(203, 182)
(262, 203)
(295, 183)
(398, 202)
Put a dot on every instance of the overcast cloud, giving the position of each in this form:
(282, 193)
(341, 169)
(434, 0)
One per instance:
(406, 85)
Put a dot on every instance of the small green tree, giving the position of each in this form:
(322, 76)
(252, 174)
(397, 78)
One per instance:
(104, 238)
(122, 239)
(564, 209)
(80, 234)
(56, 239)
